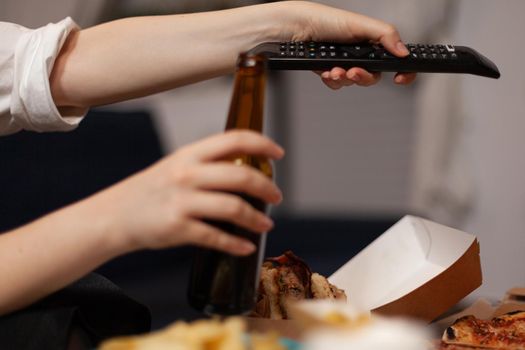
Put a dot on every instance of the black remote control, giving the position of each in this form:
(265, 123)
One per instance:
(375, 58)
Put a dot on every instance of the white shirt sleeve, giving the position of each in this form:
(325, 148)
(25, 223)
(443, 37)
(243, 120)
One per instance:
(26, 60)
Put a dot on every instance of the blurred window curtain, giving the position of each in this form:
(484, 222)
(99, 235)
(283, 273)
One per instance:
(442, 186)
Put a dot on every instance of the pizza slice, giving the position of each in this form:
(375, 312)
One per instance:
(504, 332)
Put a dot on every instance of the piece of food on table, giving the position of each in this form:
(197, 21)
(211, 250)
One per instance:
(329, 313)
(506, 332)
(376, 334)
(199, 335)
(287, 279)
(265, 342)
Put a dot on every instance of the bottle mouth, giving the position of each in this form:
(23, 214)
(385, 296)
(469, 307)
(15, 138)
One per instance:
(249, 60)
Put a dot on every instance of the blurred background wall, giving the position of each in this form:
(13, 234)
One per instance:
(448, 147)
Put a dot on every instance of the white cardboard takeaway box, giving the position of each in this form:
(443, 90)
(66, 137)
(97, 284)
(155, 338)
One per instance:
(417, 268)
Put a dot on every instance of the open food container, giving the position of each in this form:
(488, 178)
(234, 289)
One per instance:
(417, 269)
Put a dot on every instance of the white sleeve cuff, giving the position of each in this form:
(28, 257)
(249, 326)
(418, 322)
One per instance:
(32, 106)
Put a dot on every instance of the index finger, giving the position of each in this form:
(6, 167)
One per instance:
(233, 143)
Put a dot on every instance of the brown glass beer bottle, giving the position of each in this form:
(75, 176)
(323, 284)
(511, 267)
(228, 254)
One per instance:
(222, 284)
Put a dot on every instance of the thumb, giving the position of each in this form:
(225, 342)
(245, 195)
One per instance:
(392, 41)
(382, 32)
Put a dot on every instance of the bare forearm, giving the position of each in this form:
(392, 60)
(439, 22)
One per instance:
(50, 253)
(138, 56)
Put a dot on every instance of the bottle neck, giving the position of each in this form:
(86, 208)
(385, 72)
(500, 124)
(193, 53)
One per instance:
(247, 104)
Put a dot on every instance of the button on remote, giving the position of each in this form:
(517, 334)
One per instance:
(359, 50)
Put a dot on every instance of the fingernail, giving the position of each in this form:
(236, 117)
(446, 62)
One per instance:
(402, 48)
(325, 75)
(266, 223)
(277, 195)
(281, 150)
(246, 247)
